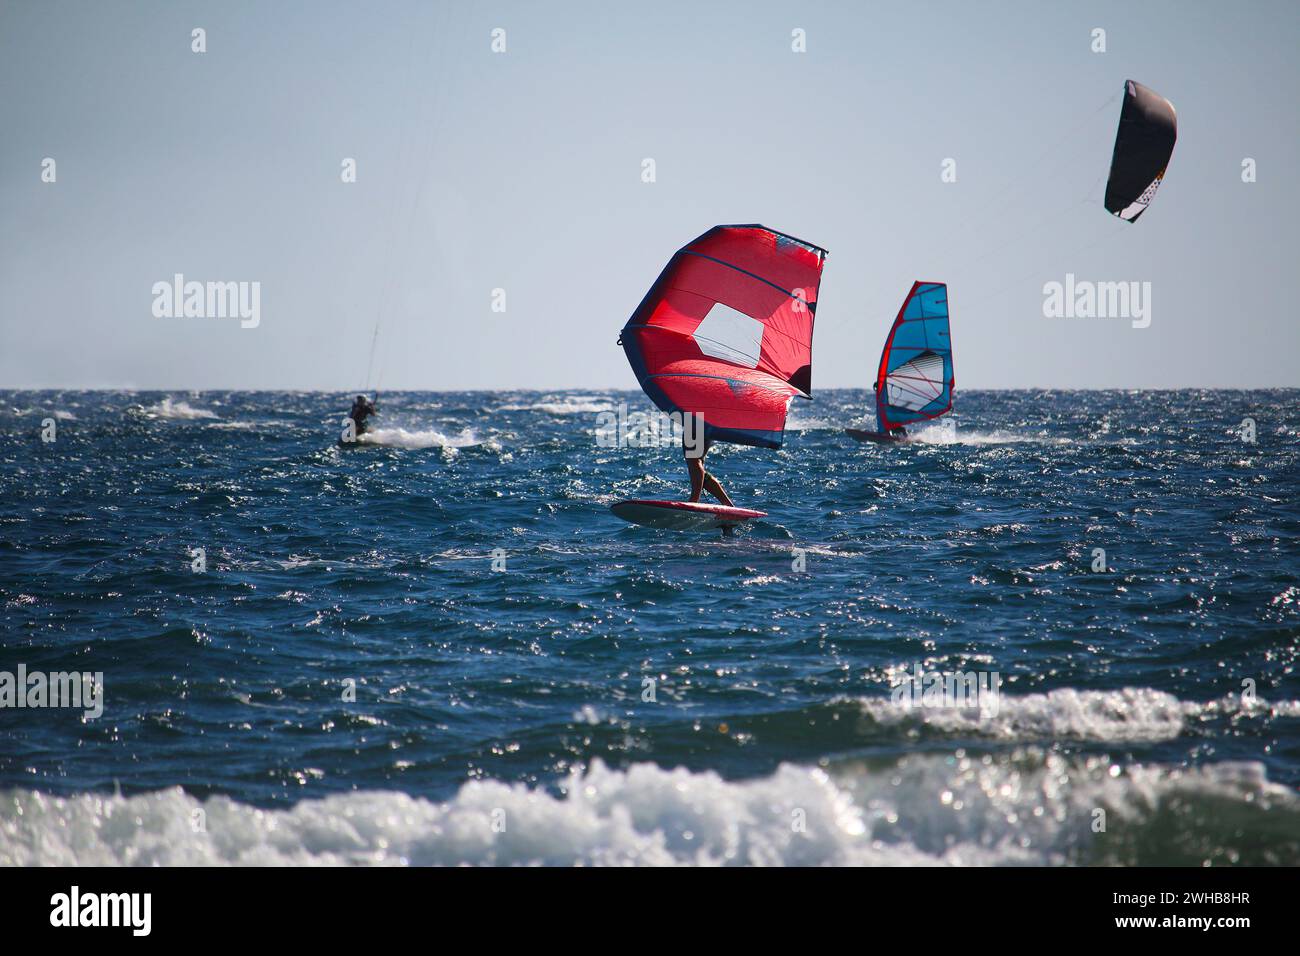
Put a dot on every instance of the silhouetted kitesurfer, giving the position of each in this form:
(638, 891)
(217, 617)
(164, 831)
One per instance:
(362, 409)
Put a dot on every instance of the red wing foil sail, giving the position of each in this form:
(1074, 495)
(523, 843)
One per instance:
(915, 380)
(726, 332)
(1148, 127)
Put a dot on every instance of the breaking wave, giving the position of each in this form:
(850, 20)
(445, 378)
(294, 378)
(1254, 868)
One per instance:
(1131, 714)
(1029, 808)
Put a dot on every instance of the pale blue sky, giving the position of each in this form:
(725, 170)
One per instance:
(523, 171)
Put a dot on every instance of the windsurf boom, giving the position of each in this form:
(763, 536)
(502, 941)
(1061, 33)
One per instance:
(915, 380)
(726, 332)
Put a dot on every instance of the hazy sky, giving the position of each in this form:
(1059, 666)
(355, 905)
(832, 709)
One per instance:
(523, 171)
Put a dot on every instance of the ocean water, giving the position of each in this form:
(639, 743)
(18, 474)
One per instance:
(442, 648)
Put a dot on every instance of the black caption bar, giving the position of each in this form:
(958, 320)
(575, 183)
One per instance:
(335, 906)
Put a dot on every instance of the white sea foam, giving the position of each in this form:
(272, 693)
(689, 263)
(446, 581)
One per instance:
(938, 435)
(567, 405)
(168, 408)
(1130, 714)
(925, 810)
(58, 413)
(431, 438)
(794, 424)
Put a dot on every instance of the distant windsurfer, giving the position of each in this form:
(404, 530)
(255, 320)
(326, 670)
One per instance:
(694, 450)
(362, 409)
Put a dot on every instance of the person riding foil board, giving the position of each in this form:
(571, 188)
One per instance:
(723, 340)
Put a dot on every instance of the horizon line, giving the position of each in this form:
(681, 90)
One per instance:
(597, 388)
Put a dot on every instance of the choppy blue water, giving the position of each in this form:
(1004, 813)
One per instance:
(502, 715)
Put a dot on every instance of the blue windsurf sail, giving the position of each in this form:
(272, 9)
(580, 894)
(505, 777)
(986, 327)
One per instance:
(915, 381)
